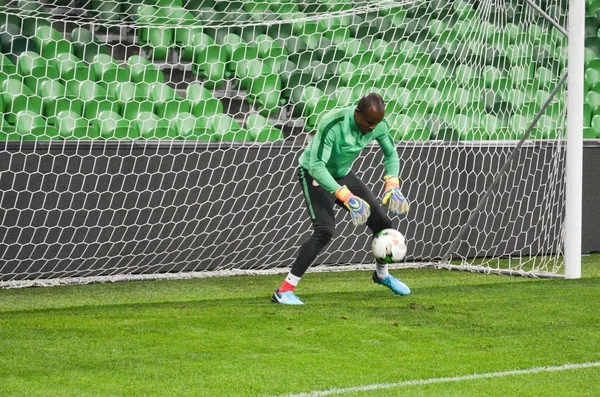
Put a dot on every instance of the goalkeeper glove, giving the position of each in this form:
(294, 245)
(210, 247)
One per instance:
(359, 209)
(393, 197)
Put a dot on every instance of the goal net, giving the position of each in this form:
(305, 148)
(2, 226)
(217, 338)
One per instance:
(160, 138)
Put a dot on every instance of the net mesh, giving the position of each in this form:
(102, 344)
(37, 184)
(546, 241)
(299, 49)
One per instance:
(161, 137)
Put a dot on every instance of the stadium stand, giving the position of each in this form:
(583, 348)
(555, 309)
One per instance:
(169, 71)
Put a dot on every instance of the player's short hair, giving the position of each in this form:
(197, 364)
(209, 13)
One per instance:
(371, 100)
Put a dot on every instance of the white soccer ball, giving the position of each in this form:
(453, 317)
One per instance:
(389, 246)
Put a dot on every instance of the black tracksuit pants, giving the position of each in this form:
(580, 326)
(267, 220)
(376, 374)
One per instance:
(320, 205)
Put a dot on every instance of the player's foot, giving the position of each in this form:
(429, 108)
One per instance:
(392, 283)
(286, 298)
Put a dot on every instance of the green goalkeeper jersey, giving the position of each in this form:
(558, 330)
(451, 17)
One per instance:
(338, 142)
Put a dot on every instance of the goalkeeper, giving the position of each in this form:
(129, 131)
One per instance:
(326, 179)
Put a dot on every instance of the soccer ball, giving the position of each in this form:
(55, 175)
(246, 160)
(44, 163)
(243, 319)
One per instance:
(389, 246)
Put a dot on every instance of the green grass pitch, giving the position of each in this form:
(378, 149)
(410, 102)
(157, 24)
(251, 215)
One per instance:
(223, 337)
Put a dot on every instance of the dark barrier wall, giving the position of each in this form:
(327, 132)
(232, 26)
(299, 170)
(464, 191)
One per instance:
(81, 209)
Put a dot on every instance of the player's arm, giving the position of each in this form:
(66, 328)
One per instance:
(392, 196)
(319, 156)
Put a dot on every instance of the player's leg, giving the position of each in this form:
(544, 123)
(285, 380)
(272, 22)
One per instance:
(378, 221)
(319, 204)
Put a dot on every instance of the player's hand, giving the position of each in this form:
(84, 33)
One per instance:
(359, 209)
(393, 197)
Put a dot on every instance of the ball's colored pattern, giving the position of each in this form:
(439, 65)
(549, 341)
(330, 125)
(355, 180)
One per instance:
(389, 246)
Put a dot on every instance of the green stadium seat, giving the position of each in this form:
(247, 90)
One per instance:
(141, 70)
(335, 28)
(230, 43)
(110, 125)
(130, 98)
(261, 130)
(17, 98)
(150, 126)
(226, 129)
(310, 102)
(107, 70)
(8, 132)
(547, 128)
(440, 129)
(51, 43)
(518, 125)
(592, 78)
(494, 128)
(95, 98)
(445, 110)
(71, 126)
(467, 128)
(152, 34)
(588, 133)
(167, 103)
(591, 97)
(270, 51)
(7, 68)
(189, 127)
(202, 100)
(85, 44)
(595, 124)
(30, 65)
(185, 27)
(32, 126)
(55, 99)
(494, 78)
(209, 62)
(70, 67)
(264, 93)
(587, 114)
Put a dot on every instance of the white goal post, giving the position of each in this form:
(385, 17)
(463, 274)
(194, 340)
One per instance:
(159, 139)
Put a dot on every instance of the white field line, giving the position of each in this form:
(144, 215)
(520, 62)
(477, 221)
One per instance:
(383, 386)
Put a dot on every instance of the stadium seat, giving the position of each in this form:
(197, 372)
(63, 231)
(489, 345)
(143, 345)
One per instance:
(595, 124)
(85, 45)
(440, 129)
(72, 126)
(310, 102)
(70, 67)
(467, 128)
(32, 126)
(141, 70)
(186, 126)
(445, 110)
(95, 98)
(264, 93)
(229, 43)
(54, 98)
(51, 43)
(106, 70)
(17, 98)
(150, 126)
(202, 102)
(592, 98)
(156, 38)
(270, 51)
(110, 125)
(167, 103)
(226, 129)
(261, 130)
(209, 63)
(587, 114)
(32, 66)
(588, 133)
